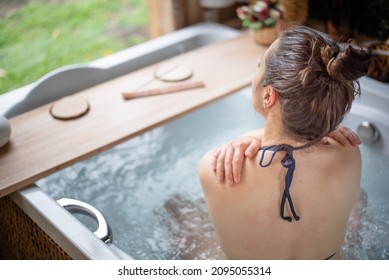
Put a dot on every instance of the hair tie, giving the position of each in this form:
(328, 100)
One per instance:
(329, 65)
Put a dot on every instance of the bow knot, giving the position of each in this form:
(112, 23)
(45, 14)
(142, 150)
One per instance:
(289, 163)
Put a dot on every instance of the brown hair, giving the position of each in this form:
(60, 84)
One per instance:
(315, 78)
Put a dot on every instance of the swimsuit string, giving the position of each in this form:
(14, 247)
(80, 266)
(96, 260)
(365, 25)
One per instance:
(289, 163)
(330, 256)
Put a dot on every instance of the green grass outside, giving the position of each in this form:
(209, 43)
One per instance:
(46, 34)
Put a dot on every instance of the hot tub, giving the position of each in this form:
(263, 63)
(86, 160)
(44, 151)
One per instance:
(145, 186)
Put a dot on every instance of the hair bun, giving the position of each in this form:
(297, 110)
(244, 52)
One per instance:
(346, 62)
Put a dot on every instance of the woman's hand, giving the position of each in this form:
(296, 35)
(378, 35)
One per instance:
(345, 136)
(227, 160)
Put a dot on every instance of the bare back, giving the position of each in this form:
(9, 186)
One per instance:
(246, 216)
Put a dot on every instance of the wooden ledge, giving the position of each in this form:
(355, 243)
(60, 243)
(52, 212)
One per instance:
(41, 145)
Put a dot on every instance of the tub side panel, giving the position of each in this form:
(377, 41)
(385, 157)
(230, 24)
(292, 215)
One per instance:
(66, 231)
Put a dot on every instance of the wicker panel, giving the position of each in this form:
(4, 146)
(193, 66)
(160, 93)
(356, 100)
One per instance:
(21, 238)
(295, 10)
(265, 36)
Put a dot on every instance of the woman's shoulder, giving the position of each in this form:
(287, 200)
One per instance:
(339, 154)
(207, 176)
(329, 157)
(334, 164)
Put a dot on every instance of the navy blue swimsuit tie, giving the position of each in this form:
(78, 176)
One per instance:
(289, 163)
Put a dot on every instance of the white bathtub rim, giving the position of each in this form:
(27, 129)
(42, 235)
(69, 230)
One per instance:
(70, 234)
(207, 28)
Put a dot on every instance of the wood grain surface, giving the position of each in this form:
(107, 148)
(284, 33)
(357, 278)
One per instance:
(41, 145)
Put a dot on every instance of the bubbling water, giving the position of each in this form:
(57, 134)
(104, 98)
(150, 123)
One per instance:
(149, 192)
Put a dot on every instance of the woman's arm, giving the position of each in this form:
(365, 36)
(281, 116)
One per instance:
(227, 160)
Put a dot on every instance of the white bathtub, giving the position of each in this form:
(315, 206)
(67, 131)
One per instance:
(76, 239)
(80, 243)
(142, 183)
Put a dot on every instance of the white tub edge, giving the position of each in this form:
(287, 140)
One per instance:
(72, 236)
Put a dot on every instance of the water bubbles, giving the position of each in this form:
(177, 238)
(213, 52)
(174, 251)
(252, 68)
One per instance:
(149, 191)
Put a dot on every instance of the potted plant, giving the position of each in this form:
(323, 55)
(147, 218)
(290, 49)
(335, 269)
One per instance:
(264, 19)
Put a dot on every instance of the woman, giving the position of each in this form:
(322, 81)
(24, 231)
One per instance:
(294, 197)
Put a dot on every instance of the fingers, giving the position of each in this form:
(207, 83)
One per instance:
(220, 166)
(229, 164)
(351, 136)
(345, 136)
(339, 137)
(215, 156)
(253, 148)
(228, 169)
(227, 161)
(237, 162)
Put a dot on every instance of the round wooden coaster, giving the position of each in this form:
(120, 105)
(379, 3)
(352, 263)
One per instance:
(69, 107)
(173, 72)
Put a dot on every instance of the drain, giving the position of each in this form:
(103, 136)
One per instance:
(368, 132)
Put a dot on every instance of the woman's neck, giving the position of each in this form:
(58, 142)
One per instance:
(275, 133)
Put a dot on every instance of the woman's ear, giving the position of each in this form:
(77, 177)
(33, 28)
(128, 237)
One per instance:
(270, 97)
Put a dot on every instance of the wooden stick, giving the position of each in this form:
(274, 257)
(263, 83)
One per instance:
(163, 90)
